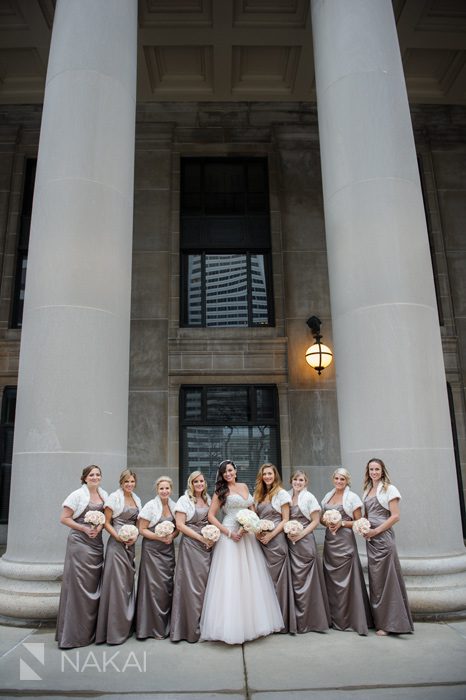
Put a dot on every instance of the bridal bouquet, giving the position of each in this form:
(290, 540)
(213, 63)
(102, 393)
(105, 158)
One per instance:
(293, 527)
(266, 525)
(211, 533)
(164, 529)
(361, 526)
(94, 518)
(128, 532)
(248, 520)
(331, 517)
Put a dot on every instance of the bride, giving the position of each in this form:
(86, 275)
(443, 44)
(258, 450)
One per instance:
(240, 601)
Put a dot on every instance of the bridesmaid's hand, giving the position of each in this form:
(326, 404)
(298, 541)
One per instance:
(207, 543)
(370, 534)
(265, 537)
(296, 538)
(92, 532)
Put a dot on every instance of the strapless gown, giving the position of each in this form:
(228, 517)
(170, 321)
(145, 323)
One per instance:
(240, 603)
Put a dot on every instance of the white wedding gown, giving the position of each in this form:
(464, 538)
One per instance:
(240, 601)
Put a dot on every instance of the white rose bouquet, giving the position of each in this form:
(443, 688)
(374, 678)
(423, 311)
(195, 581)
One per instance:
(248, 520)
(164, 529)
(361, 526)
(266, 525)
(211, 533)
(293, 527)
(332, 517)
(94, 518)
(127, 533)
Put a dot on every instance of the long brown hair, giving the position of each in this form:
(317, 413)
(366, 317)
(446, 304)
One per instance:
(385, 479)
(261, 492)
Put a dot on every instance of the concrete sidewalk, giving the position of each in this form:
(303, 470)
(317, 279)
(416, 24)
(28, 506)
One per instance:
(429, 664)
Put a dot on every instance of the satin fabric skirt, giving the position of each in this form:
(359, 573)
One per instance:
(308, 583)
(80, 592)
(344, 580)
(118, 598)
(155, 588)
(192, 571)
(387, 590)
(278, 564)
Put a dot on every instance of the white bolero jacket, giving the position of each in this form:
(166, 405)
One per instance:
(116, 502)
(351, 501)
(280, 499)
(185, 505)
(385, 496)
(152, 511)
(307, 503)
(78, 500)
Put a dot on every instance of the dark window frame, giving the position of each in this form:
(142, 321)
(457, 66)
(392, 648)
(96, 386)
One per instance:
(209, 421)
(17, 304)
(7, 425)
(249, 235)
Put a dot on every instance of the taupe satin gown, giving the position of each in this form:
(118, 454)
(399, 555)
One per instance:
(387, 590)
(155, 587)
(278, 564)
(192, 572)
(307, 575)
(117, 599)
(346, 588)
(80, 590)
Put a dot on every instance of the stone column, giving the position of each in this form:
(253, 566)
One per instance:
(73, 379)
(391, 385)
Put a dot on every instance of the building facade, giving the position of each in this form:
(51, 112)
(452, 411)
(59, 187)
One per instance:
(160, 279)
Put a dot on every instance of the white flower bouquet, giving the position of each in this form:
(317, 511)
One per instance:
(332, 517)
(266, 525)
(293, 527)
(94, 518)
(248, 520)
(361, 526)
(164, 529)
(211, 533)
(128, 532)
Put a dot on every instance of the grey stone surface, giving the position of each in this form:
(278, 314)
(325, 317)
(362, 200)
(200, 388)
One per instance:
(148, 354)
(147, 430)
(306, 284)
(314, 428)
(453, 210)
(450, 168)
(150, 285)
(152, 170)
(151, 219)
(457, 267)
(330, 666)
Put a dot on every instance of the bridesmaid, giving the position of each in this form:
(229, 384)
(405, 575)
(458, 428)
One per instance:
(84, 560)
(273, 503)
(388, 598)
(310, 594)
(193, 564)
(155, 581)
(346, 589)
(117, 600)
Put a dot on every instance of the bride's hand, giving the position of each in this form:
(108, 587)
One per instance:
(236, 536)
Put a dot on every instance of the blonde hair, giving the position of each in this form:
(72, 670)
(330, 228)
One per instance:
(261, 492)
(343, 472)
(385, 478)
(190, 486)
(298, 472)
(159, 481)
(125, 474)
